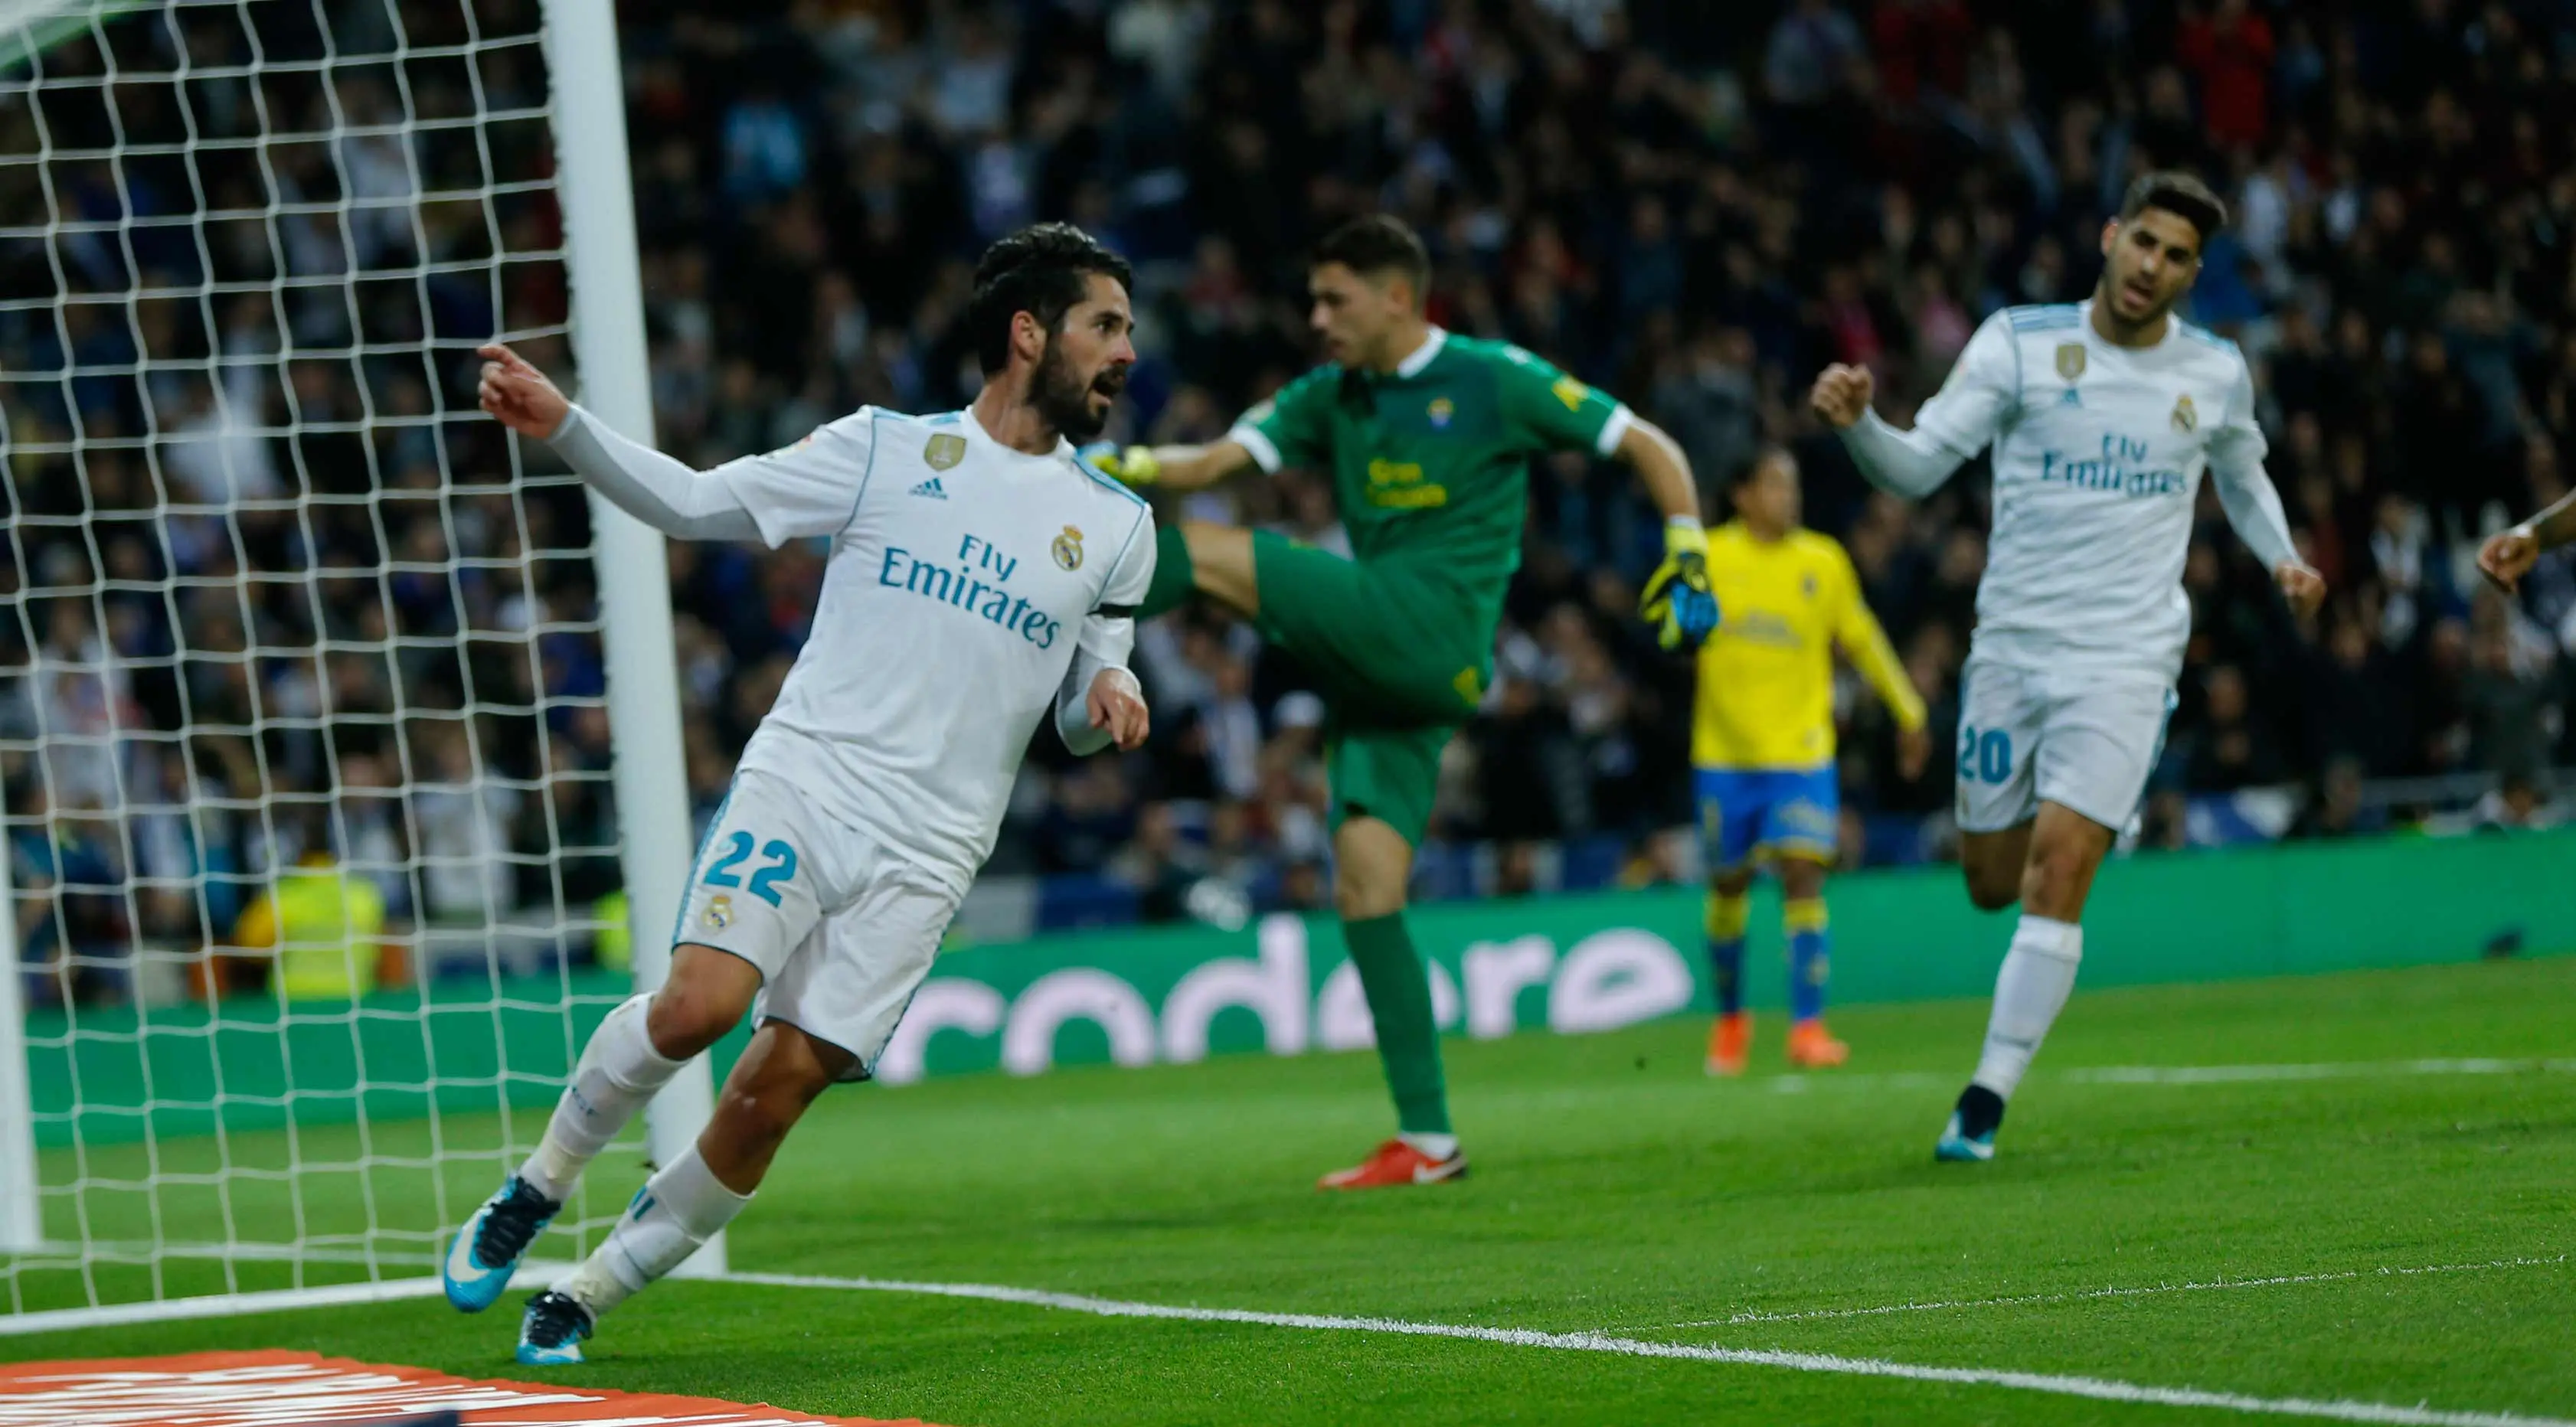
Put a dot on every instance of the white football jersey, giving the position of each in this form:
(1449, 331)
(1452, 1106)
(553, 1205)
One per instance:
(2098, 456)
(964, 575)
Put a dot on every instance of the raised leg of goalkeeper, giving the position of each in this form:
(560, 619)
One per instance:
(633, 1054)
(1195, 556)
(687, 1202)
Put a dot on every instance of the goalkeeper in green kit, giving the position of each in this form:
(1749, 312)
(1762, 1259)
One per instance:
(1428, 438)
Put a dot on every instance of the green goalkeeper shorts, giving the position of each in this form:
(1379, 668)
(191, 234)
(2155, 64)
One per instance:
(1402, 661)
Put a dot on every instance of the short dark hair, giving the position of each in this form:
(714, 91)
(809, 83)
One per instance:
(1377, 245)
(1039, 270)
(2179, 194)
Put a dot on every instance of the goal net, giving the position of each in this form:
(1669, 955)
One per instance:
(313, 859)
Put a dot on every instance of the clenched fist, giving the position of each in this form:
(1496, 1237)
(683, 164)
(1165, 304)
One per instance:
(2509, 555)
(2304, 588)
(1841, 395)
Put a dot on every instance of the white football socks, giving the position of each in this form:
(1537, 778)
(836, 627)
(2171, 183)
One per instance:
(1431, 1146)
(2038, 973)
(619, 1071)
(681, 1207)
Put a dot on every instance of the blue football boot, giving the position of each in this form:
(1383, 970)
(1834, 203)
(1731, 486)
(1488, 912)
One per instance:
(488, 1249)
(1970, 1136)
(551, 1334)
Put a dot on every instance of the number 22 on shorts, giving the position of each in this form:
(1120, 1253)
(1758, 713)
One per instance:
(765, 879)
(1984, 757)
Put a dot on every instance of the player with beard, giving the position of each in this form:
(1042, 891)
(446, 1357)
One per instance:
(980, 573)
(2103, 415)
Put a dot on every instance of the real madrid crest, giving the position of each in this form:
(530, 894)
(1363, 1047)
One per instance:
(1440, 412)
(2184, 418)
(719, 912)
(2070, 360)
(1067, 548)
(945, 450)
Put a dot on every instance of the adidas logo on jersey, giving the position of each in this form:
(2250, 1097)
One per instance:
(931, 489)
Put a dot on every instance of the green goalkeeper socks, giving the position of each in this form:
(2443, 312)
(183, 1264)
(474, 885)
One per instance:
(1399, 997)
(1174, 575)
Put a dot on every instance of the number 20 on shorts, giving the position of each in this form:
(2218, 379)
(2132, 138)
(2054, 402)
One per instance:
(1984, 757)
(764, 879)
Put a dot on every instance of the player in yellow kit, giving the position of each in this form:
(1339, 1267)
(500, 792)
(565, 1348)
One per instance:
(1763, 743)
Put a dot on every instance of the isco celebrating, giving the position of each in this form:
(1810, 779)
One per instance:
(2102, 415)
(980, 572)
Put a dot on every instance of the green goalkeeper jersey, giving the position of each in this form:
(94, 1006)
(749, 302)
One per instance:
(1430, 462)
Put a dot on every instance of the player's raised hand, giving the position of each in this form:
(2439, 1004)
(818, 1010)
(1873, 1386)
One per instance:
(1135, 466)
(2304, 588)
(519, 396)
(1841, 394)
(1118, 705)
(2507, 556)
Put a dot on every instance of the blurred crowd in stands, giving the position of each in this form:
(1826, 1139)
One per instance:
(1695, 206)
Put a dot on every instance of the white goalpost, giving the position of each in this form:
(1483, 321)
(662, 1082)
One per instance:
(339, 733)
(609, 350)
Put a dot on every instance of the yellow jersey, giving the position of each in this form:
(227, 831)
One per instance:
(1766, 676)
(323, 926)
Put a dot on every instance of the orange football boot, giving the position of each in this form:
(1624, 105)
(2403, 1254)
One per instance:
(1812, 1047)
(1730, 1043)
(1394, 1163)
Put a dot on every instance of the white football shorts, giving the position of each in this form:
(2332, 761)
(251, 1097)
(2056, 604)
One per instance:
(2084, 739)
(841, 929)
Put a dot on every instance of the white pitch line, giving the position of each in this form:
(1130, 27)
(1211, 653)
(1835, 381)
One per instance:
(1794, 1083)
(532, 1274)
(2082, 1295)
(2331, 1070)
(2100, 1389)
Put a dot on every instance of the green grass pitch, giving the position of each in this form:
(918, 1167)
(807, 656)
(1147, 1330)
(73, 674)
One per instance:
(1617, 1190)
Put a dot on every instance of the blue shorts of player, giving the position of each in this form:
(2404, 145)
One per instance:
(1786, 812)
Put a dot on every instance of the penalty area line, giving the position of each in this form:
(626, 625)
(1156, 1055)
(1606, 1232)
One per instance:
(2064, 1385)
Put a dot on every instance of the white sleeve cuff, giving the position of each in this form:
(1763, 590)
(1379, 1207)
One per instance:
(1264, 454)
(1614, 430)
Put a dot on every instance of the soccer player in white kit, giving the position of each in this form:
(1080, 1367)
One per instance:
(2103, 416)
(980, 573)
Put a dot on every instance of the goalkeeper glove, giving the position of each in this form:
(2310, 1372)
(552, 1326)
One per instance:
(1678, 600)
(1135, 466)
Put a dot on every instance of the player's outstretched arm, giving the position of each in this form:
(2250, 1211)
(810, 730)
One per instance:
(1180, 468)
(1678, 599)
(2508, 555)
(1908, 463)
(806, 490)
(1961, 419)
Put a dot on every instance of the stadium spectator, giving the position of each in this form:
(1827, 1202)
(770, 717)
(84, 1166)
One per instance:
(318, 928)
(1698, 216)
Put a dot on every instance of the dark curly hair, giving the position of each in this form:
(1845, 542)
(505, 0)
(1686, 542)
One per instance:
(1039, 270)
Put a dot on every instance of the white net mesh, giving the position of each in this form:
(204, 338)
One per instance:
(301, 725)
